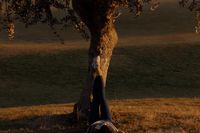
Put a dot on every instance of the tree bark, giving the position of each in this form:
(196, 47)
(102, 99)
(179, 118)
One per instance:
(99, 19)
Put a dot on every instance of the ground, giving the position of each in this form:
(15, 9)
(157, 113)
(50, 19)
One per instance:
(139, 116)
(153, 82)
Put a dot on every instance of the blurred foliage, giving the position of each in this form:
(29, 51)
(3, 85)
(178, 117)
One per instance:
(32, 12)
(193, 5)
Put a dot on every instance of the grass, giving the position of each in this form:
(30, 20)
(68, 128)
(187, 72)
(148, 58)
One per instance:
(131, 116)
(57, 77)
(40, 79)
(163, 79)
(156, 71)
(153, 81)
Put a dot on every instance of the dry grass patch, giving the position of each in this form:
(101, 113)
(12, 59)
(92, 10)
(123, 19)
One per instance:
(132, 116)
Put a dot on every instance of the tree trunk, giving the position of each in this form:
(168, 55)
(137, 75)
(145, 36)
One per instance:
(99, 20)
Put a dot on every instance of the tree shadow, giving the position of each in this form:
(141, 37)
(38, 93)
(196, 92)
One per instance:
(43, 124)
(155, 71)
(146, 71)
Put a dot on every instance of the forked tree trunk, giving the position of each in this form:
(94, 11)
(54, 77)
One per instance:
(99, 20)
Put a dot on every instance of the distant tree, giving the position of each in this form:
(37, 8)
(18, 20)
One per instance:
(94, 19)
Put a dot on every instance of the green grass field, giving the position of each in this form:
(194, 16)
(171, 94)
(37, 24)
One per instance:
(166, 71)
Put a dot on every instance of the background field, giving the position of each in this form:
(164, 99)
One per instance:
(156, 63)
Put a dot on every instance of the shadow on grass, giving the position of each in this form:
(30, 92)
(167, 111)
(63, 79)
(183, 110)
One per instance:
(162, 71)
(43, 124)
(151, 71)
(136, 120)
